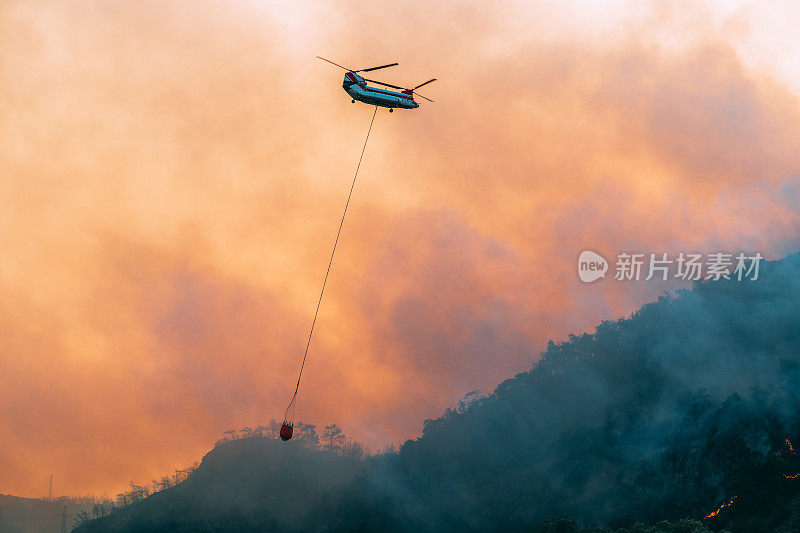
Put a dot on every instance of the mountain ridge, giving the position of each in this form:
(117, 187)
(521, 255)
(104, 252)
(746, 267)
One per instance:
(664, 415)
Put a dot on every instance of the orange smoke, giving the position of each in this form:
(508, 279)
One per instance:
(173, 174)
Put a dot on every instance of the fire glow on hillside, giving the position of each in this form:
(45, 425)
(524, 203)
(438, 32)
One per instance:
(720, 508)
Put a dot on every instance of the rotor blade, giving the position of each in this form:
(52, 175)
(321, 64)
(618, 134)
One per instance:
(376, 68)
(421, 84)
(425, 97)
(332, 63)
(386, 84)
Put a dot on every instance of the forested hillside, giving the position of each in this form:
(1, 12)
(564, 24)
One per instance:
(686, 410)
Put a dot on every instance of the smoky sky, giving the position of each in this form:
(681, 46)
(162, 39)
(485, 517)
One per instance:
(172, 174)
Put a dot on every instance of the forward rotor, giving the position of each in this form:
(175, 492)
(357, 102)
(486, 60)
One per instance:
(361, 69)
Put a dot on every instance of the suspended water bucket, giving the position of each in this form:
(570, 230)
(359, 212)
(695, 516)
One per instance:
(286, 431)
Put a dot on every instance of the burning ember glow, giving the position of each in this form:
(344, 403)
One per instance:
(791, 476)
(720, 508)
(791, 448)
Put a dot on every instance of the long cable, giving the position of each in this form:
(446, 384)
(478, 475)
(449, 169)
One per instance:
(330, 262)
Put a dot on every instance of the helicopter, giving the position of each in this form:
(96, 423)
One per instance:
(356, 86)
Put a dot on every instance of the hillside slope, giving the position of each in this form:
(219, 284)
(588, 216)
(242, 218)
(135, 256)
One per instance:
(252, 484)
(691, 402)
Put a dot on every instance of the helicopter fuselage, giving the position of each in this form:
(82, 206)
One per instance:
(357, 88)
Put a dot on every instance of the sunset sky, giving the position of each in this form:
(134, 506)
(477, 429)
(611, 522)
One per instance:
(172, 175)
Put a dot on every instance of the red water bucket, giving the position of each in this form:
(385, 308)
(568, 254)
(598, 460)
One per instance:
(286, 431)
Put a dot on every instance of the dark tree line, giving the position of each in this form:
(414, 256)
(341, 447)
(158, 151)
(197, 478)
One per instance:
(332, 438)
(682, 418)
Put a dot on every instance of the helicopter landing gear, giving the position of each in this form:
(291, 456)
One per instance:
(391, 110)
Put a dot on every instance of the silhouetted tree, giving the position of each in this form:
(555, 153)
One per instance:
(275, 427)
(138, 492)
(81, 518)
(467, 400)
(307, 434)
(354, 450)
(122, 499)
(101, 509)
(332, 437)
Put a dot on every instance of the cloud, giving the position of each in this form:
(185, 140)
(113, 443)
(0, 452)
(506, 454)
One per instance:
(172, 177)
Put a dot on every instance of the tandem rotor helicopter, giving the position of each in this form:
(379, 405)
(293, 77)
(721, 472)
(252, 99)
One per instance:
(356, 86)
